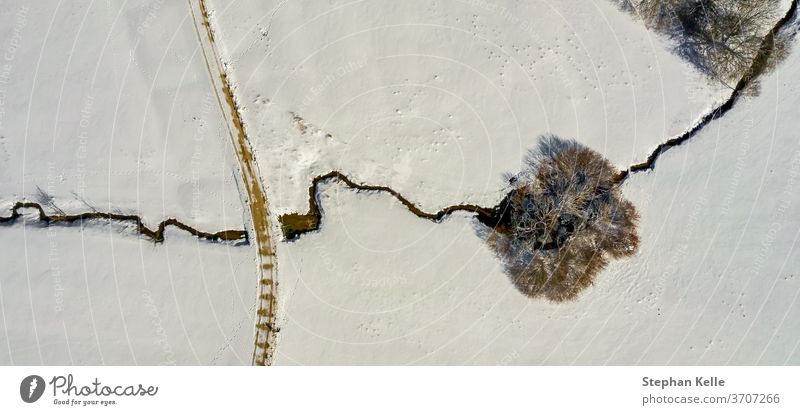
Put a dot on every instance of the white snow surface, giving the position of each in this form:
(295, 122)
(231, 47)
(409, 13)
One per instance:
(109, 107)
(94, 296)
(714, 282)
(438, 99)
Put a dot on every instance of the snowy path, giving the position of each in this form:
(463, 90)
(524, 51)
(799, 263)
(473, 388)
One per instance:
(255, 197)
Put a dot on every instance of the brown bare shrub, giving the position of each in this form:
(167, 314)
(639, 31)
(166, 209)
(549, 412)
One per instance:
(563, 219)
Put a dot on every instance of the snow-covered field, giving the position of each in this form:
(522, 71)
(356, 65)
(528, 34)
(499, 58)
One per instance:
(436, 100)
(97, 296)
(109, 106)
(439, 98)
(715, 280)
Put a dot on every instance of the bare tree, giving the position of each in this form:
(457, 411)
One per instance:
(722, 38)
(565, 216)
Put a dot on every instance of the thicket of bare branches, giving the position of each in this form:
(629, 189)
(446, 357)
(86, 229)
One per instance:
(722, 38)
(564, 218)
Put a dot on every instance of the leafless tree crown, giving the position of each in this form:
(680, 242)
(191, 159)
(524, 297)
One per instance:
(722, 38)
(565, 217)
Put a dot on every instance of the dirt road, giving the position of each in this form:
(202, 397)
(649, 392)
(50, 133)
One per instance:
(256, 197)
